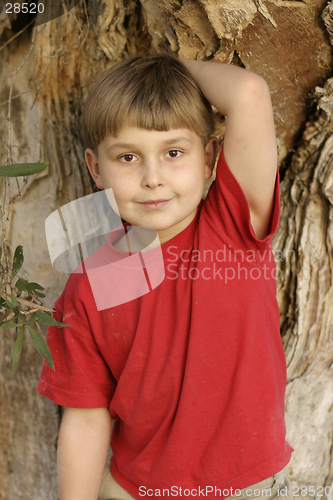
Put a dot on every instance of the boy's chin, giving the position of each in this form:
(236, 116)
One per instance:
(163, 223)
(140, 228)
(157, 223)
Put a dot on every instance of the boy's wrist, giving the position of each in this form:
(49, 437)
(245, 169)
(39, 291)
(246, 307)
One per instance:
(82, 450)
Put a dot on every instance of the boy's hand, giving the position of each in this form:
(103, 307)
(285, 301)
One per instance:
(82, 450)
(249, 142)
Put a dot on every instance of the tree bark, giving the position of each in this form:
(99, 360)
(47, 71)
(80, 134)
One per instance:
(289, 44)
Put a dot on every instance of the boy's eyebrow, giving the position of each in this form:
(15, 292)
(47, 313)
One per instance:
(177, 139)
(128, 145)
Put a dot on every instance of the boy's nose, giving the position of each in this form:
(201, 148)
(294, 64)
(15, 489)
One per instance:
(152, 176)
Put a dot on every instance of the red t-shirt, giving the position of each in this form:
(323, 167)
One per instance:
(194, 371)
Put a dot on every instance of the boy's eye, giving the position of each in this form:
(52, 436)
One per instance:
(127, 158)
(174, 153)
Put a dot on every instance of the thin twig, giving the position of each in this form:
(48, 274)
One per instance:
(30, 304)
(14, 146)
(61, 54)
(7, 318)
(30, 312)
(11, 91)
(9, 198)
(40, 84)
(17, 34)
(26, 57)
(14, 97)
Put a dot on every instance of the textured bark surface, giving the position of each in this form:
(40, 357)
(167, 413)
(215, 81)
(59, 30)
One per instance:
(289, 44)
(305, 295)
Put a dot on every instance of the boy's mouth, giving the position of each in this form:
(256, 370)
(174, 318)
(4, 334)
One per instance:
(153, 204)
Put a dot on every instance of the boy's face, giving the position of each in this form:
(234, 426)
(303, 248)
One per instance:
(157, 177)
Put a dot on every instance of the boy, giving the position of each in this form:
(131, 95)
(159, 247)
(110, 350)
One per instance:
(192, 373)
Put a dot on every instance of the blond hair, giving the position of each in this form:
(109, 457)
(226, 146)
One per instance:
(154, 92)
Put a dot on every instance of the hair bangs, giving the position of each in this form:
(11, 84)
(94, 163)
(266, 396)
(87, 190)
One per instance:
(159, 115)
(154, 93)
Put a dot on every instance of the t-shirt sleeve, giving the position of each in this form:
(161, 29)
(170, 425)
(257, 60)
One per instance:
(81, 378)
(227, 205)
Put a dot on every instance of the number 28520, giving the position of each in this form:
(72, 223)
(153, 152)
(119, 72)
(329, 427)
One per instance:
(25, 8)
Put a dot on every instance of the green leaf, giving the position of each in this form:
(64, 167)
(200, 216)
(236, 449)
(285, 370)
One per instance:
(45, 319)
(2, 302)
(34, 286)
(21, 284)
(17, 349)
(4, 324)
(40, 295)
(9, 304)
(41, 346)
(12, 306)
(14, 301)
(18, 260)
(22, 169)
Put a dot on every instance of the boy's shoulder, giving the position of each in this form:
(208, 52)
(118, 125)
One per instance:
(76, 291)
(228, 197)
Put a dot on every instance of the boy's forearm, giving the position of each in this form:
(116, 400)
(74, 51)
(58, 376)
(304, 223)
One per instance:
(224, 85)
(82, 450)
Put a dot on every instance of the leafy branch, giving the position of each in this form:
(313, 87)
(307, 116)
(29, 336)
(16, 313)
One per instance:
(21, 306)
(15, 311)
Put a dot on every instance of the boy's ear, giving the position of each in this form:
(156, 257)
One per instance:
(92, 164)
(211, 154)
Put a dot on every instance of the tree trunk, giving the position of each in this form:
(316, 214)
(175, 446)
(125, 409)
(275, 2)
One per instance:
(288, 43)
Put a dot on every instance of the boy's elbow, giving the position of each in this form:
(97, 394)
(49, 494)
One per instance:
(253, 98)
(255, 88)
(96, 419)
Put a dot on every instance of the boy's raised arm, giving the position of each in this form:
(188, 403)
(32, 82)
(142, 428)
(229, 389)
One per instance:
(249, 143)
(83, 443)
